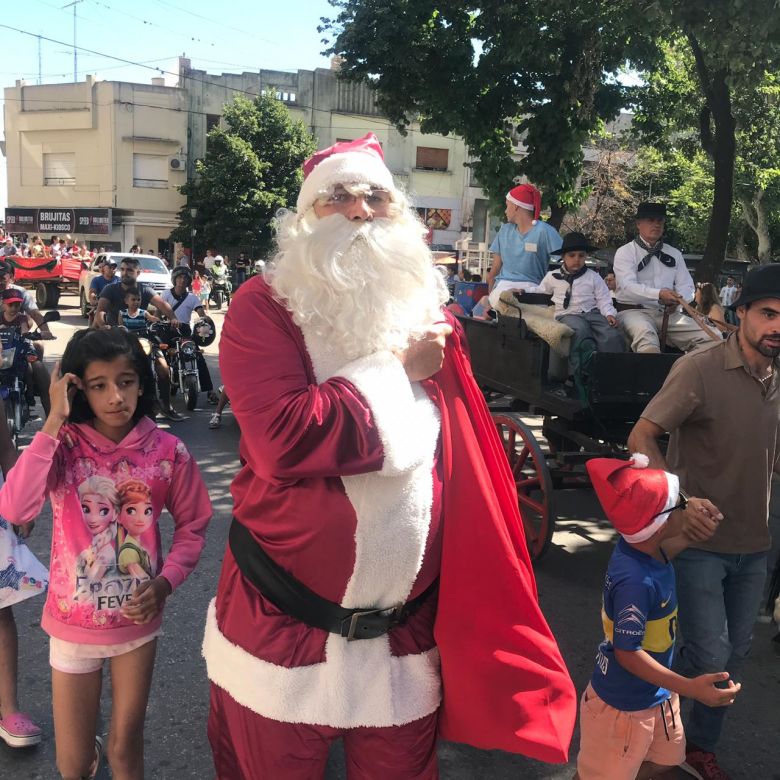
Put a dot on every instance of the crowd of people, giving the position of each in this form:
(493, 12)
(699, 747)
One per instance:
(639, 304)
(376, 586)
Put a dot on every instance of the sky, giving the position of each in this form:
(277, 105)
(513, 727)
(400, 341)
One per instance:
(229, 36)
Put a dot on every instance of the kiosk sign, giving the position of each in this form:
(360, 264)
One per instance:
(50, 220)
(55, 221)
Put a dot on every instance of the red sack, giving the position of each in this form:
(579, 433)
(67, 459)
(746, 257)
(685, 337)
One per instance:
(506, 685)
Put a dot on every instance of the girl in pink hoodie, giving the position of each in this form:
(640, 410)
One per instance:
(109, 472)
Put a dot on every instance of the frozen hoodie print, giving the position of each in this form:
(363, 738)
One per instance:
(106, 502)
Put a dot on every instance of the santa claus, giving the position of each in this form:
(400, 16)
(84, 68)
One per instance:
(376, 550)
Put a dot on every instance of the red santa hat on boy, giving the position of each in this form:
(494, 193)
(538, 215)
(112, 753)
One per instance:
(527, 197)
(636, 499)
(346, 162)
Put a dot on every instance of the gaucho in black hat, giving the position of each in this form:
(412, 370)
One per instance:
(652, 280)
(582, 301)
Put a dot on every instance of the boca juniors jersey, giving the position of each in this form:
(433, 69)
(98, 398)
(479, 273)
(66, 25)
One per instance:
(639, 613)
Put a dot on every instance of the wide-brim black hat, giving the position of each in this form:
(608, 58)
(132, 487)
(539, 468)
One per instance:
(647, 210)
(575, 242)
(762, 282)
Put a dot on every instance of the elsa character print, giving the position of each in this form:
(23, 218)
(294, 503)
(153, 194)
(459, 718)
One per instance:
(135, 517)
(100, 509)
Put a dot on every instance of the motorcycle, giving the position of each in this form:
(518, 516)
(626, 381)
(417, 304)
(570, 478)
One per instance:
(181, 346)
(220, 290)
(182, 357)
(16, 356)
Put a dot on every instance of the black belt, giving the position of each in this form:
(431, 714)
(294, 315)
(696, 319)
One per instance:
(296, 600)
(627, 306)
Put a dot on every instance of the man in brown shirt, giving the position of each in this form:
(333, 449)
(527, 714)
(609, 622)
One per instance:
(721, 405)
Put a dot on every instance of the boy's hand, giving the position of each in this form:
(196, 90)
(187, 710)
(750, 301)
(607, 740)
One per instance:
(700, 519)
(147, 600)
(612, 320)
(702, 688)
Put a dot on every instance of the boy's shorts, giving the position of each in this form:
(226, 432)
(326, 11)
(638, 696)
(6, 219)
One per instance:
(614, 743)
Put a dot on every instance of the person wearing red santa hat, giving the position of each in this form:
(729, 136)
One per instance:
(521, 250)
(630, 723)
(357, 586)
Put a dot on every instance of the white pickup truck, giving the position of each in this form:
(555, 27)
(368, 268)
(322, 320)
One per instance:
(153, 273)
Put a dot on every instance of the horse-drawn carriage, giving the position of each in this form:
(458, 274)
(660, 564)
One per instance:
(516, 369)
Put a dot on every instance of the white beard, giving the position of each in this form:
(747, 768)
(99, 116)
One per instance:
(362, 287)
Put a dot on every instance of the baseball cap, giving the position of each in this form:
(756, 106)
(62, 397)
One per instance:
(11, 296)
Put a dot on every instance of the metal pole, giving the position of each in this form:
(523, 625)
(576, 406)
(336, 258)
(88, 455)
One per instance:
(39, 60)
(75, 50)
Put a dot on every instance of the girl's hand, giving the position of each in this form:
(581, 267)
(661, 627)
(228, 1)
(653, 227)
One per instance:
(61, 392)
(147, 600)
(25, 529)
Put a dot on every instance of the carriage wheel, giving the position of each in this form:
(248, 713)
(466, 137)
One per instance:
(532, 480)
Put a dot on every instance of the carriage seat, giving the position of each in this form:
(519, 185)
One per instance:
(541, 321)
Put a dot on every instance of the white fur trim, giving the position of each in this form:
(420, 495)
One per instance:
(359, 684)
(526, 206)
(344, 168)
(673, 493)
(393, 505)
(405, 417)
(639, 461)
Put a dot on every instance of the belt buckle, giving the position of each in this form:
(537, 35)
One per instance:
(397, 611)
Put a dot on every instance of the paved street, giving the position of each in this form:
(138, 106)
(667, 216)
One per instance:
(569, 580)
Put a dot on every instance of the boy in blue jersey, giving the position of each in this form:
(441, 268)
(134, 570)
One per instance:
(630, 725)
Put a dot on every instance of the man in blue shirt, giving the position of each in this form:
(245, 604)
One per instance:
(521, 250)
(107, 276)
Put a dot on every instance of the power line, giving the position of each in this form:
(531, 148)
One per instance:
(160, 70)
(167, 31)
(213, 21)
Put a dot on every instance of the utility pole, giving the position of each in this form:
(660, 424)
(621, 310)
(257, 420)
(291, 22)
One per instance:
(39, 59)
(75, 51)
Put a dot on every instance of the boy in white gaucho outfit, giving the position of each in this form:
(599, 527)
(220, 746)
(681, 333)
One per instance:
(582, 301)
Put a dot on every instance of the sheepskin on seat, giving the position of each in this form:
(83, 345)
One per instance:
(540, 321)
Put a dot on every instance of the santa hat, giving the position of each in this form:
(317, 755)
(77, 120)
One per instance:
(346, 162)
(527, 197)
(636, 499)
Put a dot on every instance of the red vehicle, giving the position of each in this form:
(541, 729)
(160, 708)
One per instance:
(47, 275)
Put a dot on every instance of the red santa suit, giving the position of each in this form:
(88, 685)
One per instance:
(346, 468)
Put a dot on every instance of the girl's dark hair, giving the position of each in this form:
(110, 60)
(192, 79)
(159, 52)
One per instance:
(134, 291)
(709, 297)
(86, 346)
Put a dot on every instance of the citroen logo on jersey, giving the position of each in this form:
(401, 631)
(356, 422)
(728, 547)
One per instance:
(631, 615)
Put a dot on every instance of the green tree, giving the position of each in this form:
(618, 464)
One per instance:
(492, 72)
(252, 168)
(669, 118)
(682, 180)
(733, 43)
(757, 172)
